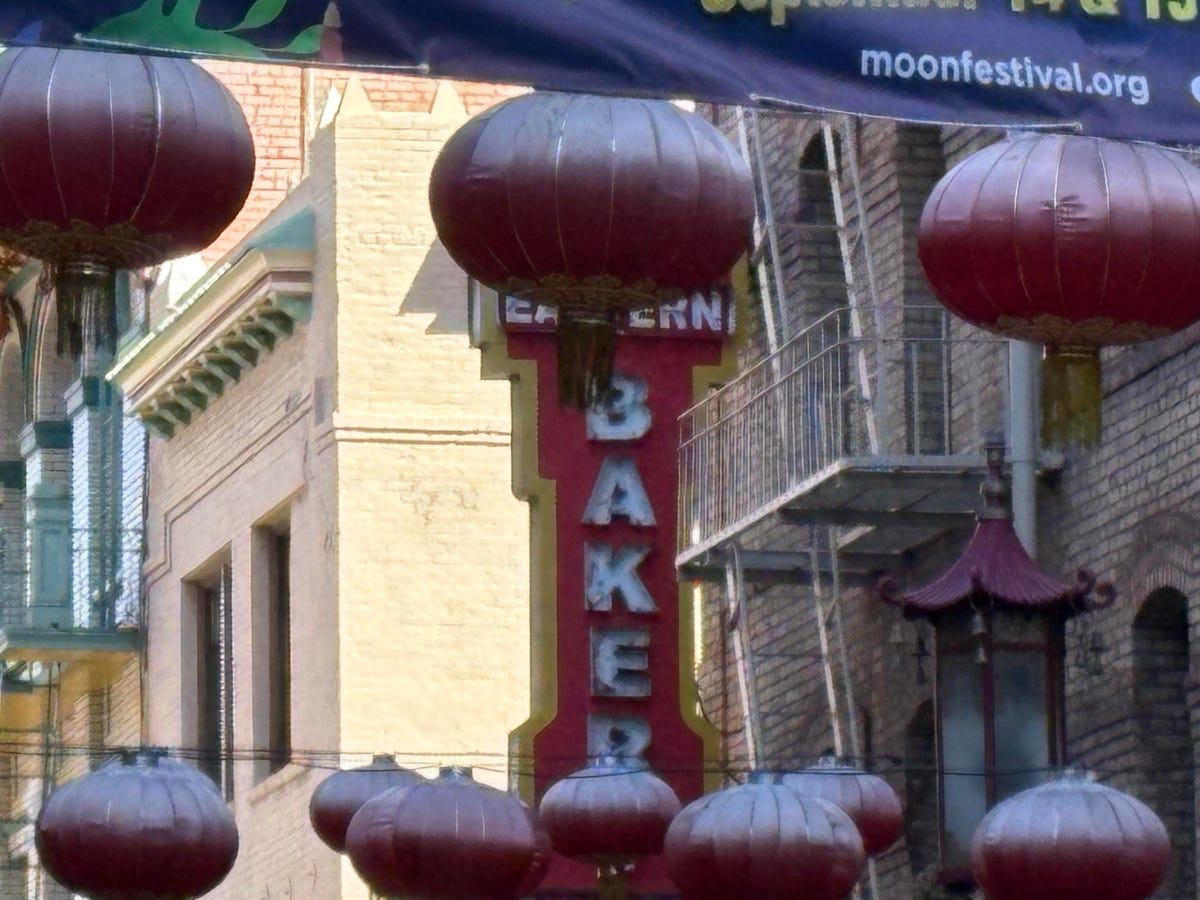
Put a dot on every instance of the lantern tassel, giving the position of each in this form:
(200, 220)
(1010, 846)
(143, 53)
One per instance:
(611, 875)
(1071, 397)
(86, 303)
(586, 347)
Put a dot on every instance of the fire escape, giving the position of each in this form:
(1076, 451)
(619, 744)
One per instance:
(842, 453)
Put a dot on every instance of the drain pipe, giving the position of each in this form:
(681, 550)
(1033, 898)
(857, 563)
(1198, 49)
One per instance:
(1023, 439)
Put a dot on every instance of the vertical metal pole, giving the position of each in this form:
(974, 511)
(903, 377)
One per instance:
(738, 624)
(823, 636)
(1023, 438)
(762, 229)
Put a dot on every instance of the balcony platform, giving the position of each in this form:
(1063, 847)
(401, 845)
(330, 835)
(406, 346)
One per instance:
(67, 644)
(885, 506)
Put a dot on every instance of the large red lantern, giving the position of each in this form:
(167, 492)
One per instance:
(595, 205)
(1072, 242)
(113, 161)
(143, 826)
(449, 838)
(342, 794)
(1070, 839)
(867, 799)
(612, 813)
(766, 841)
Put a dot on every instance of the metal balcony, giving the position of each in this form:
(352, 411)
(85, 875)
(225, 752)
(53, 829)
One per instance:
(69, 594)
(855, 423)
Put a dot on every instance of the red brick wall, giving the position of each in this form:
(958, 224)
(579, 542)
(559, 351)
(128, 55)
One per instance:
(283, 105)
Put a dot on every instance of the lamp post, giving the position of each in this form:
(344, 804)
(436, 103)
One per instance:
(998, 626)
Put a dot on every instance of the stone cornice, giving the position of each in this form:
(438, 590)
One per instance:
(234, 318)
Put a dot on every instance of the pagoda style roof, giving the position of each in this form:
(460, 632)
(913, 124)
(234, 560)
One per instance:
(995, 567)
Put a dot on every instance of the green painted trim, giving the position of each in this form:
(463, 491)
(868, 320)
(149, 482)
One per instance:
(12, 473)
(295, 233)
(49, 434)
(24, 275)
(297, 306)
(50, 644)
(95, 390)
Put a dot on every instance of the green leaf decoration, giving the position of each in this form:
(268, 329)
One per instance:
(306, 43)
(150, 26)
(263, 12)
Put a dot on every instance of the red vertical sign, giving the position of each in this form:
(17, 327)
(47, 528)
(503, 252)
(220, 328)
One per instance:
(617, 606)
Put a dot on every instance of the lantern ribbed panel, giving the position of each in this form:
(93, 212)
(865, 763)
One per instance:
(764, 841)
(613, 809)
(579, 200)
(867, 799)
(446, 839)
(1070, 839)
(543, 853)
(1066, 240)
(145, 831)
(116, 159)
(341, 795)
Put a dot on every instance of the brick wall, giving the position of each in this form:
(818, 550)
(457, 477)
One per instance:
(284, 105)
(888, 705)
(1127, 509)
(368, 433)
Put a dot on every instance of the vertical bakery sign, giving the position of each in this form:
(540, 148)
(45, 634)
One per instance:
(612, 626)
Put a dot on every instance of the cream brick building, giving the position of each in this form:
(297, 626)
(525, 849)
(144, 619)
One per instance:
(335, 564)
(364, 447)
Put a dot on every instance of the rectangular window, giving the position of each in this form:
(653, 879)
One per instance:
(280, 638)
(271, 624)
(214, 678)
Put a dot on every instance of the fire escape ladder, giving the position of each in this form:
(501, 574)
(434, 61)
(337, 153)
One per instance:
(767, 272)
(738, 624)
(840, 135)
(822, 539)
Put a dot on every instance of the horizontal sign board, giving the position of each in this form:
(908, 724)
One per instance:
(1119, 68)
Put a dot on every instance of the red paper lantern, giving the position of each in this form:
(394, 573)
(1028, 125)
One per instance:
(764, 840)
(596, 205)
(543, 853)
(450, 838)
(1070, 839)
(1072, 242)
(867, 799)
(114, 161)
(143, 827)
(341, 795)
(613, 810)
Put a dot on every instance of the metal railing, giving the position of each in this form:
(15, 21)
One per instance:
(102, 572)
(750, 446)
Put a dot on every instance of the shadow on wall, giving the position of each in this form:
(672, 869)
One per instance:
(439, 289)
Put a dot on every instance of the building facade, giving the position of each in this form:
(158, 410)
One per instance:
(280, 536)
(868, 409)
(245, 543)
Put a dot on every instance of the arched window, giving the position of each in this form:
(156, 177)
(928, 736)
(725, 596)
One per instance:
(1160, 669)
(818, 254)
(920, 791)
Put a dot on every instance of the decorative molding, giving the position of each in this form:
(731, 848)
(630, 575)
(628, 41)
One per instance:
(45, 434)
(12, 474)
(223, 329)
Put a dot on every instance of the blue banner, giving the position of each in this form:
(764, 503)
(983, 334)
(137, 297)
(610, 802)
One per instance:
(1119, 68)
